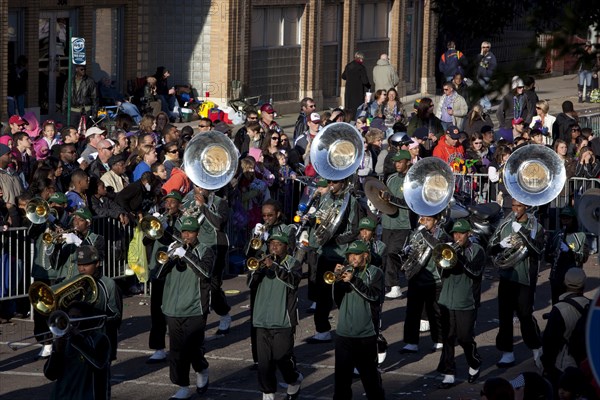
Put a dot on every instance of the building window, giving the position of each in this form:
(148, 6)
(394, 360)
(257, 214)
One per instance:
(276, 26)
(374, 21)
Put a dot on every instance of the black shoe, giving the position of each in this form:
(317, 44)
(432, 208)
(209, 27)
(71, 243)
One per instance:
(203, 389)
(473, 378)
(446, 385)
(505, 365)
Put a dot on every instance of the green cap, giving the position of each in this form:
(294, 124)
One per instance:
(189, 224)
(321, 182)
(461, 226)
(83, 213)
(366, 223)
(279, 236)
(357, 247)
(174, 194)
(58, 198)
(568, 212)
(401, 155)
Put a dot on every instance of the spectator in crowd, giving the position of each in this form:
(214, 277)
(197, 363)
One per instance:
(242, 137)
(478, 153)
(165, 93)
(84, 98)
(271, 146)
(267, 119)
(171, 156)
(160, 172)
(452, 62)
(110, 96)
(48, 133)
(573, 385)
(77, 194)
(564, 121)
(141, 196)
(518, 128)
(575, 142)
(93, 136)
(449, 148)
(384, 74)
(486, 66)
(302, 142)
(588, 165)
(462, 88)
(178, 180)
(514, 105)
(393, 111)
(144, 159)
(68, 157)
(475, 120)
(426, 118)
(543, 120)
(531, 96)
(23, 153)
(100, 166)
(561, 148)
(452, 108)
(586, 63)
(307, 106)
(16, 124)
(151, 99)
(102, 206)
(115, 179)
(357, 82)
(204, 125)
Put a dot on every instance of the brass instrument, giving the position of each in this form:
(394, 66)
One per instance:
(152, 227)
(60, 325)
(330, 277)
(511, 255)
(329, 219)
(46, 299)
(163, 257)
(257, 242)
(445, 255)
(254, 263)
(428, 186)
(38, 211)
(55, 237)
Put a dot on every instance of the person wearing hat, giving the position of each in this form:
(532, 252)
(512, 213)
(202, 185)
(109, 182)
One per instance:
(313, 123)
(331, 250)
(514, 105)
(64, 251)
(568, 248)
(452, 107)
(424, 284)
(9, 182)
(560, 351)
(274, 316)
(358, 294)
(518, 129)
(109, 302)
(93, 137)
(449, 148)
(58, 201)
(267, 119)
(459, 301)
(115, 178)
(396, 227)
(185, 305)
(377, 248)
(516, 290)
(17, 124)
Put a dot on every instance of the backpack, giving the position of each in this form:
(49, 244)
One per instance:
(576, 343)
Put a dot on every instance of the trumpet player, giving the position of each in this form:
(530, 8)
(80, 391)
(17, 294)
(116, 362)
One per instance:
(516, 289)
(274, 316)
(459, 301)
(377, 249)
(358, 295)
(185, 305)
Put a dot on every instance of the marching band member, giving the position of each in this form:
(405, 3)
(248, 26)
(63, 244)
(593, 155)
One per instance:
(171, 226)
(459, 300)
(212, 212)
(568, 249)
(424, 287)
(274, 315)
(332, 252)
(377, 249)
(516, 289)
(396, 228)
(185, 305)
(358, 293)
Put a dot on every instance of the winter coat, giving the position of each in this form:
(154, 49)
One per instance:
(357, 83)
(384, 75)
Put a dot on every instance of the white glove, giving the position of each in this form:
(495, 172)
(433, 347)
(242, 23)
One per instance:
(564, 247)
(156, 215)
(516, 227)
(420, 228)
(71, 238)
(258, 229)
(172, 245)
(493, 174)
(179, 252)
(505, 243)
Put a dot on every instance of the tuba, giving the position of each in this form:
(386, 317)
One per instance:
(428, 186)
(422, 245)
(46, 299)
(335, 153)
(210, 160)
(508, 257)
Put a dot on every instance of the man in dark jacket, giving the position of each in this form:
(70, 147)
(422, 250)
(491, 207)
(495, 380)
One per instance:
(357, 82)
(452, 62)
(486, 66)
(561, 129)
(307, 106)
(84, 101)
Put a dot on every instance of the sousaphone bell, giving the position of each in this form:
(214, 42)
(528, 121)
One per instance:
(428, 186)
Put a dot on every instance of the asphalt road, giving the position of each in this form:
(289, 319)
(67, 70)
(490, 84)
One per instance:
(404, 376)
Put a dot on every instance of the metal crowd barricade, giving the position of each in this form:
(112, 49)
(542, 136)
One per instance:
(475, 186)
(590, 120)
(16, 255)
(117, 238)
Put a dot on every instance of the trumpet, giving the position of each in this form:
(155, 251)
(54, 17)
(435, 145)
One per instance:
(55, 237)
(38, 211)
(256, 242)
(163, 257)
(152, 227)
(60, 325)
(331, 277)
(445, 255)
(254, 263)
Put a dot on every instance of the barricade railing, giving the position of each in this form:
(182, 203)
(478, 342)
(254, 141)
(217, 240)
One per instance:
(16, 256)
(117, 238)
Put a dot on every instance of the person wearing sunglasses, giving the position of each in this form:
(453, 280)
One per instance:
(486, 66)
(100, 166)
(84, 100)
(307, 106)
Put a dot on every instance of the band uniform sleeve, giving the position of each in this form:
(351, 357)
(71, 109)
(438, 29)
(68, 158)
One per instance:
(96, 353)
(473, 260)
(372, 291)
(201, 261)
(289, 272)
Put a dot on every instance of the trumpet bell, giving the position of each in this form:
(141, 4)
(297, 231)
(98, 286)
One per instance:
(37, 211)
(152, 227)
(337, 151)
(444, 255)
(428, 186)
(162, 257)
(58, 323)
(210, 160)
(256, 244)
(534, 175)
(329, 277)
(252, 264)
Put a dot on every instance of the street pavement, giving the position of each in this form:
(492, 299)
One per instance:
(404, 376)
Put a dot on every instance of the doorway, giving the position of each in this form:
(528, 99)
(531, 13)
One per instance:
(53, 60)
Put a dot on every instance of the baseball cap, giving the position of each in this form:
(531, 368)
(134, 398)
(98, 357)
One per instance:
(15, 119)
(83, 213)
(268, 108)
(279, 236)
(401, 155)
(569, 212)
(421, 133)
(94, 130)
(575, 278)
(58, 198)
(453, 131)
(518, 121)
(461, 226)
(366, 223)
(174, 194)
(486, 129)
(357, 247)
(87, 255)
(189, 223)
(321, 182)
(315, 117)
(115, 159)
(4, 149)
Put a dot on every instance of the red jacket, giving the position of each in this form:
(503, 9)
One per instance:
(448, 153)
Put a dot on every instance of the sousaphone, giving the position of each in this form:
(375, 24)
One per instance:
(428, 186)
(210, 160)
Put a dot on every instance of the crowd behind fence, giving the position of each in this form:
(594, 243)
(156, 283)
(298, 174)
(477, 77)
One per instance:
(17, 248)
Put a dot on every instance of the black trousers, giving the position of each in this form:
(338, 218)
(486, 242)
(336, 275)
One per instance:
(360, 353)
(218, 301)
(158, 329)
(275, 351)
(458, 326)
(186, 347)
(515, 297)
(253, 345)
(311, 260)
(416, 298)
(324, 293)
(394, 241)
